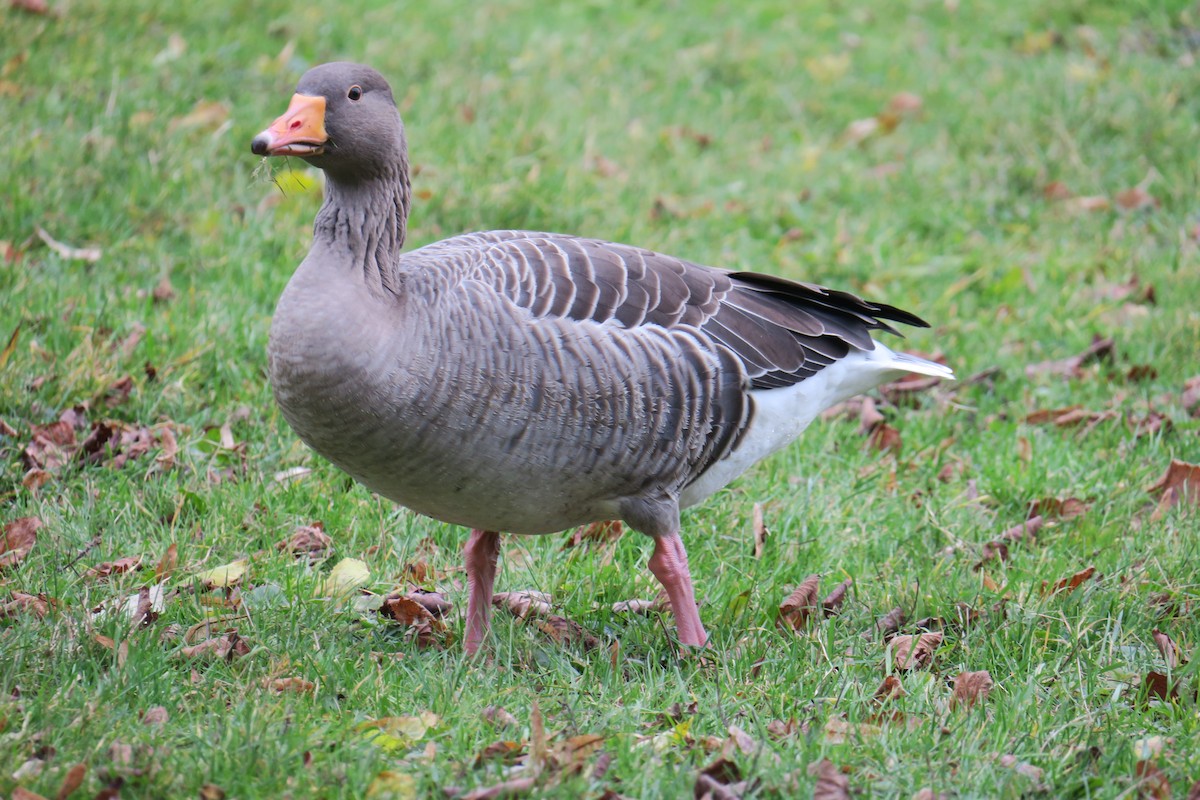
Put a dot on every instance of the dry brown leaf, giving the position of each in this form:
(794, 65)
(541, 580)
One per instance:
(405, 610)
(118, 392)
(596, 534)
(1194, 791)
(168, 563)
(886, 438)
(68, 252)
(499, 717)
(1088, 203)
(506, 751)
(1059, 508)
(832, 784)
(1022, 768)
(914, 651)
(71, 781)
(905, 103)
(760, 531)
(1135, 198)
(39, 605)
(860, 130)
(1191, 396)
(163, 291)
(155, 715)
(434, 602)
(890, 689)
(566, 631)
(1100, 349)
(1160, 687)
(1057, 190)
(307, 541)
(1180, 482)
(226, 647)
(998, 547)
(41, 8)
(833, 601)
(796, 609)
(1073, 582)
(126, 564)
(780, 729)
(1152, 781)
(971, 687)
(295, 685)
(1171, 653)
(19, 537)
(512, 787)
(21, 793)
(890, 623)
(210, 791)
(524, 604)
(720, 780)
(206, 114)
(925, 793)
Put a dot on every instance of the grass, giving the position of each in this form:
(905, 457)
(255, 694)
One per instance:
(718, 133)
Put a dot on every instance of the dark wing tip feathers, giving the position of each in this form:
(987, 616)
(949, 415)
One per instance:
(871, 314)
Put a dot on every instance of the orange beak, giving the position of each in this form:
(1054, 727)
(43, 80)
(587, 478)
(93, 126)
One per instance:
(299, 132)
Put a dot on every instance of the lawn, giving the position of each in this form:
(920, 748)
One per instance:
(1023, 175)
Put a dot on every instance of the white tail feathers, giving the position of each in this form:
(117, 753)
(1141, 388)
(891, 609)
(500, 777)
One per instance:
(921, 366)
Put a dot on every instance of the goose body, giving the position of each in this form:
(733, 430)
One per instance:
(529, 382)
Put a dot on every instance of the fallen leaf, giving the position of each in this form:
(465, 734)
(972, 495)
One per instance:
(1089, 203)
(1170, 650)
(971, 687)
(831, 783)
(5, 354)
(41, 8)
(566, 631)
(523, 604)
(118, 392)
(1160, 687)
(833, 601)
(71, 781)
(1180, 482)
(890, 622)
(1135, 198)
(886, 438)
(506, 750)
(860, 130)
(292, 684)
(19, 537)
(210, 791)
(346, 577)
(1099, 349)
(225, 648)
(207, 114)
(839, 731)
(405, 610)
(224, 576)
(307, 541)
(890, 689)
(126, 564)
(537, 738)
(720, 780)
(168, 563)
(1152, 781)
(1058, 508)
(21, 603)
(397, 733)
(1022, 768)
(1073, 582)
(914, 652)
(795, 610)
(780, 729)
(1057, 190)
(434, 602)
(760, 531)
(509, 788)
(392, 785)
(597, 533)
(499, 717)
(90, 254)
(155, 715)
(998, 547)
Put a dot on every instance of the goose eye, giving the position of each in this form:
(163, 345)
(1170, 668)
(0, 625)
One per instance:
(355, 92)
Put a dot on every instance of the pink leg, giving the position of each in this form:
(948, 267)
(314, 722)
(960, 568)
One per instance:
(669, 564)
(480, 554)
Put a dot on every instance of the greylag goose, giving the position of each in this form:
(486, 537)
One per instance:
(523, 382)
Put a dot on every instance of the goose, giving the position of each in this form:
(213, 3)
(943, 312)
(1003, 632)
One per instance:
(526, 382)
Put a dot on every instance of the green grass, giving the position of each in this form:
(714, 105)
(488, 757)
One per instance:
(582, 118)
